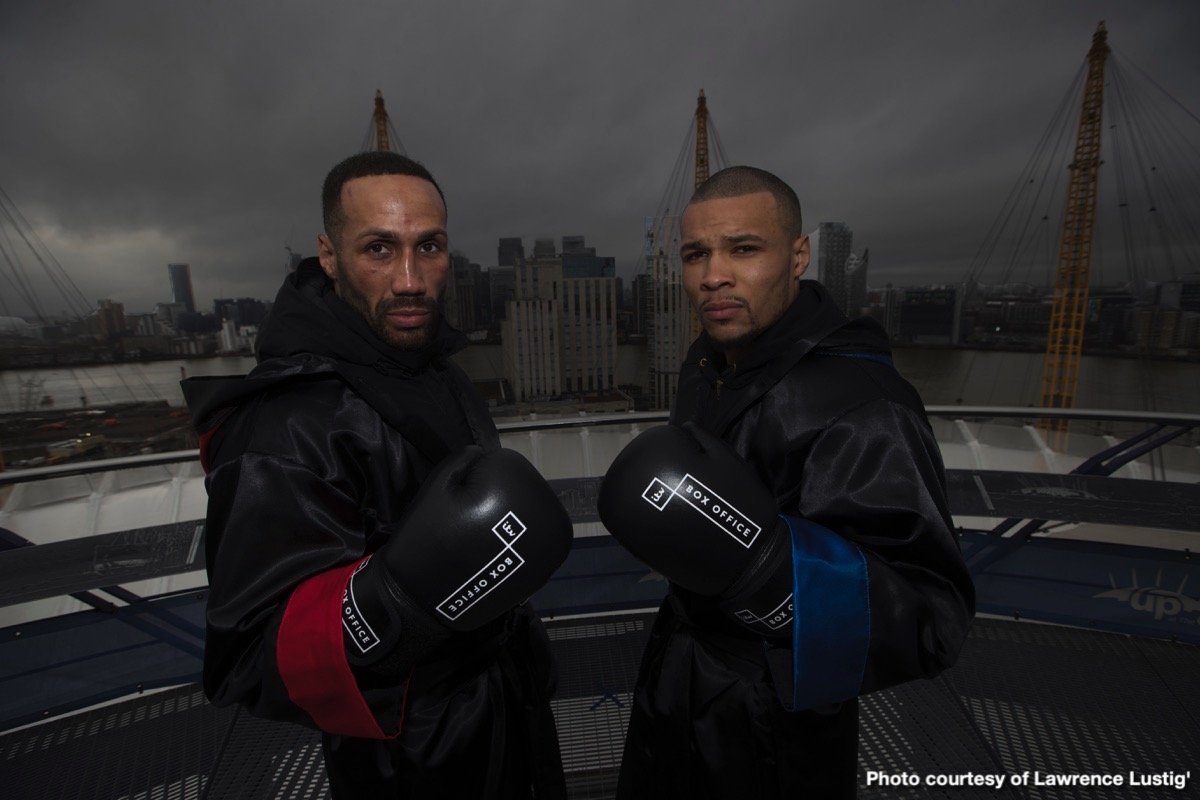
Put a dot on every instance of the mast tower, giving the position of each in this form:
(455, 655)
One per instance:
(701, 140)
(380, 118)
(701, 176)
(1068, 313)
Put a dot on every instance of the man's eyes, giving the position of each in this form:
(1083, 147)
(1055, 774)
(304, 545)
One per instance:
(387, 248)
(740, 249)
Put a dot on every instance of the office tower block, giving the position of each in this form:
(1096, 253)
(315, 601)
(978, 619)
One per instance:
(108, 320)
(510, 252)
(560, 329)
(670, 330)
(483, 299)
(543, 248)
(502, 287)
(581, 261)
(856, 283)
(181, 285)
(460, 299)
(643, 302)
(831, 249)
(575, 245)
(242, 311)
(930, 315)
(530, 335)
(589, 318)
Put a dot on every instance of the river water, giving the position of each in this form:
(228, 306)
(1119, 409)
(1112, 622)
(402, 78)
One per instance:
(942, 376)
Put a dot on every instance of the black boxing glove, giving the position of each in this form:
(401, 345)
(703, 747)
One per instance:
(685, 503)
(484, 532)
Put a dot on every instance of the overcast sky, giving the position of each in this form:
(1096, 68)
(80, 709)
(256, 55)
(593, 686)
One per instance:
(140, 133)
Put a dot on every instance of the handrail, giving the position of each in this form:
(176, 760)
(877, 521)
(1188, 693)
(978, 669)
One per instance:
(1163, 417)
(589, 420)
(582, 420)
(99, 465)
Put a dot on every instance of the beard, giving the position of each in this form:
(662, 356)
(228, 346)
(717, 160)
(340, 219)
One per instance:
(736, 342)
(724, 340)
(377, 317)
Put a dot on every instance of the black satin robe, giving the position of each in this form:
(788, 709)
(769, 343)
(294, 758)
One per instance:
(308, 458)
(842, 441)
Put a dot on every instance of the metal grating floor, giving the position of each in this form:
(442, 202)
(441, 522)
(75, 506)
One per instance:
(1023, 697)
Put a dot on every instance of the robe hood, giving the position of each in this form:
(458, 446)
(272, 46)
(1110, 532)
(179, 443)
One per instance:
(312, 333)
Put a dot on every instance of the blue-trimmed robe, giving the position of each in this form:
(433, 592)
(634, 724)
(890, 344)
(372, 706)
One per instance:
(881, 595)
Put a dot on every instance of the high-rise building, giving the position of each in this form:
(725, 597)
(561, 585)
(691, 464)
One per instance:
(560, 329)
(670, 330)
(510, 252)
(1179, 309)
(168, 314)
(885, 308)
(1183, 293)
(575, 245)
(831, 244)
(589, 319)
(483, 298)
(643, 302)
(530, 335)
(502, 287)
(543, 248)
(929, 315)
(242, 311)
(181, 285)
(582, 262)
(460, 299)
(107, 322)
(1109, 318)
(623, 307)
(856, 284)
(143, 325)
(1156, 327)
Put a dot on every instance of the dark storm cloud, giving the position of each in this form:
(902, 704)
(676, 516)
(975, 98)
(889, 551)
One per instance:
(138, 133)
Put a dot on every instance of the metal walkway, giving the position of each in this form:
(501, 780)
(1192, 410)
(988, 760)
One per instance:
(1023, 696)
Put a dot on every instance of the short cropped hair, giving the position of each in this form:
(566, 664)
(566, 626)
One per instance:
(740, 180)
(362, 165)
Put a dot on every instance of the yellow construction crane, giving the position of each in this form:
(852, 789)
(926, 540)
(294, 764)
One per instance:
(380, 118)
(1068, 313)
(701, 140)
(701, 171)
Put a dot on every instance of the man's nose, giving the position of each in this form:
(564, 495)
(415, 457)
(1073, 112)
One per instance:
(407, 277)
(718, 272)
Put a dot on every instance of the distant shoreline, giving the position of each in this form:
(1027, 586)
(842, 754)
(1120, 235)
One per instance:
(940, 373)
(974, 347)
(1010, 348)
(102, 362)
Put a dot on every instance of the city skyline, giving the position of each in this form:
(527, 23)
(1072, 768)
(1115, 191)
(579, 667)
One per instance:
(856, 260)
(559, 316)
(908, 123)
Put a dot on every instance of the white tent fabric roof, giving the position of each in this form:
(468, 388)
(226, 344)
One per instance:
(76, 506)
